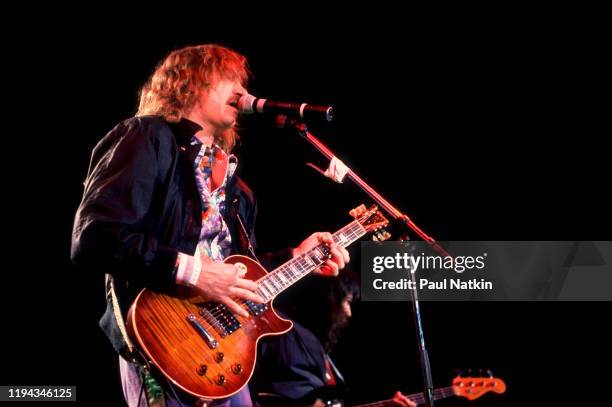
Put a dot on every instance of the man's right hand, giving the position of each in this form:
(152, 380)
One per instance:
(220, 281)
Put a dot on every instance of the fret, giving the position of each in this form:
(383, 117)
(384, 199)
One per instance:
(290, 273)
(319, 256)
(341, 239)
(283, 277)
(291, 269)
(349, 234)
(275, 287)
(357, 231)
(299, 266)
(308, 263)
(266, 288)
(279, 281)
(319, 253)
(270, 280)
(262, 294)
(285, 274)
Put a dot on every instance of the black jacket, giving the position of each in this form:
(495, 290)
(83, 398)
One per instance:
(141, 206)
(291, 368)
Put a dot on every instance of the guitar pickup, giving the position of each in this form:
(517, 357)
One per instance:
(255, 308)
(220, 317)
(208, 338)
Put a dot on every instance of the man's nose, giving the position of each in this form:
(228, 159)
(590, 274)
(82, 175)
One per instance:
(239, 89)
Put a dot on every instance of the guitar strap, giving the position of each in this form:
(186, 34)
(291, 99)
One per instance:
(153, 391)
(245, 242)
(110, 294)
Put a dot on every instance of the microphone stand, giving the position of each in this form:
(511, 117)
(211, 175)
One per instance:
(302, 130)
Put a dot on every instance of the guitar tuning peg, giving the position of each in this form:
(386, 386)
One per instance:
(459, 372)
(358, 211)
(489, 373)
(469, 373)
(375, 238)
(385, 235)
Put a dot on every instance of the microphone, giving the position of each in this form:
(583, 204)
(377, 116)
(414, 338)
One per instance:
(249, 104)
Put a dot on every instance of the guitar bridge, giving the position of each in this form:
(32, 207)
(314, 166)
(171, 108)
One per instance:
(208, 338)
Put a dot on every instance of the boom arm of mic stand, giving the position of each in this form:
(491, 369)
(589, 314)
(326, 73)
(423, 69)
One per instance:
(404, 219)
(390, 209)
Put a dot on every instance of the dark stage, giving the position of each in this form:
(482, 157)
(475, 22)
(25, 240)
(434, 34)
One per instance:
(481, 131)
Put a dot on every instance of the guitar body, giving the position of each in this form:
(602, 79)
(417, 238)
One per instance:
(163, 327)
(204, 348)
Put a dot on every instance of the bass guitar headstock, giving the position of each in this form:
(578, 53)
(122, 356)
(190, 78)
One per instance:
(474, 387)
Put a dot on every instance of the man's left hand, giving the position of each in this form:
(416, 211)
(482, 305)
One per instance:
(401, 400)
(339, 255)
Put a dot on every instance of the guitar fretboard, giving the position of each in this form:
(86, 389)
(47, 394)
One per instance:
(418, 398)
(287, 274)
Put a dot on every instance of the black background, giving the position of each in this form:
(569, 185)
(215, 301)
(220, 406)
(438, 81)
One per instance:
(479, 124)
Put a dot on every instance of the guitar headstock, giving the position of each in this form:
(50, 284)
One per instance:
(474, 387)
(372, 221)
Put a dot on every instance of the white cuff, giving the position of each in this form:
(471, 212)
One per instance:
(189, 268)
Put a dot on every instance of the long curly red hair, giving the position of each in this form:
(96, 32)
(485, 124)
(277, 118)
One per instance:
(175, 85)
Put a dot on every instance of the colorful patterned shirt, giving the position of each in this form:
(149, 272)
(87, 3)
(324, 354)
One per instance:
(215, 238)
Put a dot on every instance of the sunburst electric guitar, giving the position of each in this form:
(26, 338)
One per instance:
(204, 348)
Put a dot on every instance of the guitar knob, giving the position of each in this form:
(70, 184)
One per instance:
(220, 380)
(201, 370)
(237, 368)
(219, 357)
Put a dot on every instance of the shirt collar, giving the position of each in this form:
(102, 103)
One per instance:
(184, 131)
(213, 150)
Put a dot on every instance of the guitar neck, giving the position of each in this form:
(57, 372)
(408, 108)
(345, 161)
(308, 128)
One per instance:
(290, 272)
(418, 398)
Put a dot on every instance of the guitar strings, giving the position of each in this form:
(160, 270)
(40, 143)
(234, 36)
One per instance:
(418, 398)
(353, 232)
